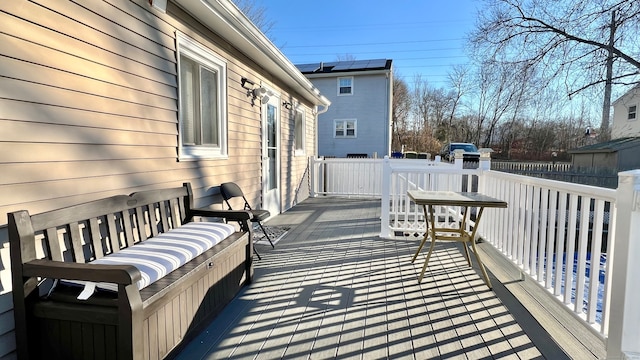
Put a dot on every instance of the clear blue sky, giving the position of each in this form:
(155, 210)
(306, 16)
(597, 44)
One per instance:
(421, 36)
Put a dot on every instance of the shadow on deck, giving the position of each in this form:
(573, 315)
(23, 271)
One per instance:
(333, 289)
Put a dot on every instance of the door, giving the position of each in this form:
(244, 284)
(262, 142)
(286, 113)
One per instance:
(271, 155)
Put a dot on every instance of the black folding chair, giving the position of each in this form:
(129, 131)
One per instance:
(232, 190)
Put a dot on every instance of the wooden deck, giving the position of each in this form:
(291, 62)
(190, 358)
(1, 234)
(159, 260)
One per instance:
(332, 288)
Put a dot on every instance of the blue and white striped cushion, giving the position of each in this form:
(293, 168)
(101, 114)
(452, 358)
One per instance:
(160, 255)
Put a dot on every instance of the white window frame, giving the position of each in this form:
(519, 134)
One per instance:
(206, 58)
(632, 114)
(345, 123)
(299, 140)
(351, 91)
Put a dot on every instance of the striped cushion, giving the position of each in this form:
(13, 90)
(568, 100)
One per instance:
(160, 255)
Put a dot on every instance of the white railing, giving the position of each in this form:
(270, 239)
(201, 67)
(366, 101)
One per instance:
(558, 233)
(354, 177)
(561, 234)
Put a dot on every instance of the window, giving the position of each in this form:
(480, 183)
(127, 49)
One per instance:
(632, 113)
(203, 109)
(345, 128)
(299, 133)
(345, 86)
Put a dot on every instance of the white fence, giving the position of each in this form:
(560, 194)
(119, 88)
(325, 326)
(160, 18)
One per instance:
(561, 234)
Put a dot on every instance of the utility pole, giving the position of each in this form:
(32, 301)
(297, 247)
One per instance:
(606, 105)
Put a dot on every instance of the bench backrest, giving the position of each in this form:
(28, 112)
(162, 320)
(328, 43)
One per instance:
(89, 231)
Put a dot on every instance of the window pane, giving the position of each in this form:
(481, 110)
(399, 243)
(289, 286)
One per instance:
(339, 128)
(272, 184)
(209, 118)
(271, 123)
(299, 131)
(351, 128)
(345, 85)
(188, 101)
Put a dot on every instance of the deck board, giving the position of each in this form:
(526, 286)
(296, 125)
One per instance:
(332, 288)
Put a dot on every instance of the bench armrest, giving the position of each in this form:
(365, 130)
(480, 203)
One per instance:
(119, 274)
(233, 215)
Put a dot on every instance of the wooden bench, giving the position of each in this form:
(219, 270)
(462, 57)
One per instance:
(51, 322)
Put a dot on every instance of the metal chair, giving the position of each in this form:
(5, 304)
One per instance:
(232, 190)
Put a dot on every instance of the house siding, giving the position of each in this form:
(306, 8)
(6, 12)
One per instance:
(369, 106)
(622, 127)
(88, 109)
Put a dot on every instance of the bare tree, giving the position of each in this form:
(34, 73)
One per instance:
(586, 43)
(401, 109)
(257, 13)
(458, 80)
(345, 57)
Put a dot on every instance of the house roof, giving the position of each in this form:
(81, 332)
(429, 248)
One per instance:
(633, 89)
(608, 146)
(224, 18)
(345, 66)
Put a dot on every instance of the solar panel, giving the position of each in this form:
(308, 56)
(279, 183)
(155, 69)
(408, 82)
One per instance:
(377, 63)
(344, 65)
(308, 67)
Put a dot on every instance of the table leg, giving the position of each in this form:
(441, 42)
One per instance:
(433, 242)
(475, 250)
(426, 233)
(463, 233)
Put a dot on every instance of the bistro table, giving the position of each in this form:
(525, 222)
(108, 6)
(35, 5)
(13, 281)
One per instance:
(465, 200)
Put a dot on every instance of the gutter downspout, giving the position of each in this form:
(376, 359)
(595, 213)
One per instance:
(318, 112)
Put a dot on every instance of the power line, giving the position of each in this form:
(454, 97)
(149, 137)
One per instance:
(376, 43)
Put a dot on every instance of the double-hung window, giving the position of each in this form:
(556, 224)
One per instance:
(345, 128)
(203, 95)
(632, 112)
(299, 133)
(345, 86)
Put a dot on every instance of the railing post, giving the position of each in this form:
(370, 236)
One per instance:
(484, 165)
(624, 320)
(385, 231)
(313, 176)
(458, 158)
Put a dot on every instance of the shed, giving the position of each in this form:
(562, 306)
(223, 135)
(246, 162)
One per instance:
(618, 154)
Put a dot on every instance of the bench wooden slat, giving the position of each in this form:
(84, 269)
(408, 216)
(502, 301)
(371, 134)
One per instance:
(96, 238)
(141, 223)
(55, 251)
(164, 217)
(114, 238)
(153, 219)
(127, 218)
(176, 218)
(73, 231)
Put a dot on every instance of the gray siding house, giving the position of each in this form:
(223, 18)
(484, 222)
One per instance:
(358, 123)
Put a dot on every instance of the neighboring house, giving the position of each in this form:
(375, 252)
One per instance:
(626, 119)
(358, 123)
(109, 97)
(620, 153)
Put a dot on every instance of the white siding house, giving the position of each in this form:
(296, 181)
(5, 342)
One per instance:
(358, 123)
(626, 119)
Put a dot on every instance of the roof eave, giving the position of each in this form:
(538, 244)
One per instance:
(225, 19)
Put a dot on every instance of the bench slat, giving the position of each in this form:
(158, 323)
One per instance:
(141, 224)
(114, 239)
(153, 220)
(175, 216)
(55, 251)
(96, 238)
(164, 217)
(76, 241)
(127, 219)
